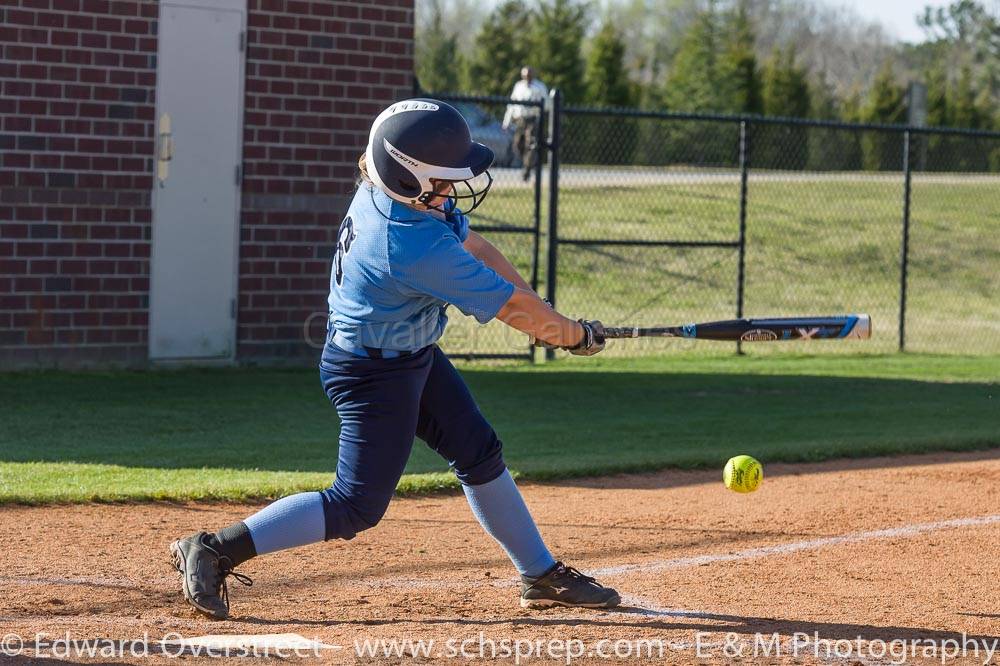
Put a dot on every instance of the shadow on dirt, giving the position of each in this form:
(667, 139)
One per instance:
(668, 620)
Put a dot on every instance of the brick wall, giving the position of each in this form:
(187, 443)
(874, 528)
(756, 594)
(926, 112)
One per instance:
(77, 142)
(76, 137)
(317, 75)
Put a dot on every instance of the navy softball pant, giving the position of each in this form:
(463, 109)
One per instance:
(383, 404)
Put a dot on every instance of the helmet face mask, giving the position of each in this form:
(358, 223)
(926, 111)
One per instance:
(417, 144)
(472, 190)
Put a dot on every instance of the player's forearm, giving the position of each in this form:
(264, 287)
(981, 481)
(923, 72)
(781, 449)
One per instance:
(529, 314)
(485, 251)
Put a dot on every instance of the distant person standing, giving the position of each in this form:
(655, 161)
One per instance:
(525, 118)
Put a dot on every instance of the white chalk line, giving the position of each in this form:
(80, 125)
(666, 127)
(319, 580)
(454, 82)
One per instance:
(645, 607)
(903, 531)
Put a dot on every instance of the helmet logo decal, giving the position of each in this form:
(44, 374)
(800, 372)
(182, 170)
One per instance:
(424, 172)
(400, 157)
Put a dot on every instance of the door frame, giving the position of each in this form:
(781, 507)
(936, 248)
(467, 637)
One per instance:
(225, 5)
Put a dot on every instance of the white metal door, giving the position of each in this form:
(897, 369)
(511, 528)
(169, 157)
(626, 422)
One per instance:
(195, 237)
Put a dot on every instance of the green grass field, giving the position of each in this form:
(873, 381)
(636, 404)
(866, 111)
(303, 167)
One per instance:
(246, 433)
(819, 247)
(813, 247)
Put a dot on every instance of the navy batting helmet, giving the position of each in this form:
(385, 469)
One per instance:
(417, 143)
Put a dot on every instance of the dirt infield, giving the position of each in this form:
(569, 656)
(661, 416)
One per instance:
(900, 552)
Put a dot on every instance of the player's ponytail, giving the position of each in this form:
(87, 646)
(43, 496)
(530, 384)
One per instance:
(363, 169)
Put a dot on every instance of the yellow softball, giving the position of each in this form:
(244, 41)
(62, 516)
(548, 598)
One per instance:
(742, 474)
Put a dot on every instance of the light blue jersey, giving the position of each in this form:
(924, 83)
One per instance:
(393, 278)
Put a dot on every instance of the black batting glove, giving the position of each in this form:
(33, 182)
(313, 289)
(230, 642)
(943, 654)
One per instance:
(592, 341)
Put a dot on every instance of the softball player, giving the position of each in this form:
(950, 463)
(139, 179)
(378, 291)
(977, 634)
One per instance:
(404, 253)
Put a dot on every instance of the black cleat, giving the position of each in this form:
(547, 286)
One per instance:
(203, 574)
(565, 586)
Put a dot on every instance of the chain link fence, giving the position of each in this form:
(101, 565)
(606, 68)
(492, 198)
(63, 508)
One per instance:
(648, 220)
(645, 218)
(823, 233)
(953, 291)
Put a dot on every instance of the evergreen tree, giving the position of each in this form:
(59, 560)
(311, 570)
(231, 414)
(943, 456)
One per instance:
(970, 110)
(606, 77)
(986, 109)
(938, 113)
(886, 104)
(965, 111)
(850, 106)
(694, 82)
(886, 99)
(739, 65)
(439, 64)
(933, 149)
(829, 149)
(556, 52)
(610, 140)
(715, 68)
(652, 96)
(850, 112)
(785, 93)
(653, 139)
(786, 86)
(698, 82)
(824, 104)
(502, 47)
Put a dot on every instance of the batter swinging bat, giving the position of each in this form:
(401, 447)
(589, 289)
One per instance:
(857, 327)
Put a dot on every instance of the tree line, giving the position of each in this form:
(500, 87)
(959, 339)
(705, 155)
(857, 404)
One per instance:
(716, 63)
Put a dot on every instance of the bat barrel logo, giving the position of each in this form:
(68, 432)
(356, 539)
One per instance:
(759, 335)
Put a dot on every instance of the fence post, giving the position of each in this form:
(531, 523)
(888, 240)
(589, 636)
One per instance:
(555, 110)
(904, 251)
(744, 161)
(539, 160)
(537, 236)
